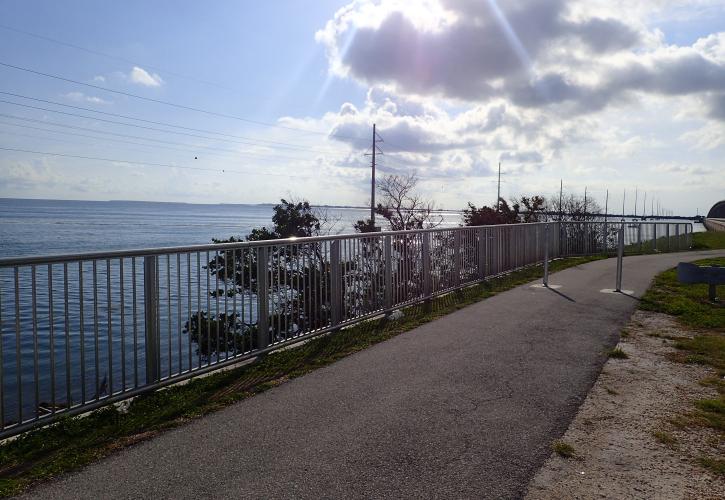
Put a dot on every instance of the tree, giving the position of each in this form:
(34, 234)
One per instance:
(292, 272)
(401, 206)
(573, 208)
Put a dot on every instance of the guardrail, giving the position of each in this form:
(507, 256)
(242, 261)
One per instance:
(81, 331)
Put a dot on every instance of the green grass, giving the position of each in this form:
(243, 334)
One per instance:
(563, 449)
(708, 240)
(716, 465)
(617, 353)
(74, 442)
(688, 302)
(665, 438)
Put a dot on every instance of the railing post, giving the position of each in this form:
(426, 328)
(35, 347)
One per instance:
(262, 339)
(620, 256)
(677, 237)
(667, 237)
(427, 277)
(456, 257)
(546, 254)
(654, 238)
(151, 305)
(482, 243)
(335, 284)
(388, 270)
(606, 237)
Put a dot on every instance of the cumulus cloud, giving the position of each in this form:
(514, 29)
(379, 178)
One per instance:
(534, 53)
(143, 77)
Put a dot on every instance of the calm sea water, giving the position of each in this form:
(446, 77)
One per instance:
(37, 227)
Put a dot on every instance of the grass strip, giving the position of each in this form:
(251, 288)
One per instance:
(74, 442)
(690, 304)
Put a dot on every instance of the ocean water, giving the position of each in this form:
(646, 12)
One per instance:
(42, 227)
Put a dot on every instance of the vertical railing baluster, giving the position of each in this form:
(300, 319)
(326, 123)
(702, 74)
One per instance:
(425, 255)
(178, 310)
(151, 302)
(335, 283)
(95, 329)
(66, 316)
(134, 311)
(51, 337)
(388, 271)
(2, 361)
(262, 298)
(122, 324)
(18, 354)
(457, 258)
(36, 369)
(82, 331)
(109, 391)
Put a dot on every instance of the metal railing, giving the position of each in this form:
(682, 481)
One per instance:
(81, 331)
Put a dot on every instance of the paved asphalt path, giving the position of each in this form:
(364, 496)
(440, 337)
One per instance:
(463, 407)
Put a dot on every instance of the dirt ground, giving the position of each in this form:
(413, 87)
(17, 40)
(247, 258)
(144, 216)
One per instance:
(617, 454)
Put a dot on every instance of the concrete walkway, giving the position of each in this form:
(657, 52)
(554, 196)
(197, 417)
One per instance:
(462, 407)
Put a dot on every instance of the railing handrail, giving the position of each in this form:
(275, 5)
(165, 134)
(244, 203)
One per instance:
(141, 252)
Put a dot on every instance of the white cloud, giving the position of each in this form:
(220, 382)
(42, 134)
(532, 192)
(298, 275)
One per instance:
(81, 97)
(143, 77)
(99, 79)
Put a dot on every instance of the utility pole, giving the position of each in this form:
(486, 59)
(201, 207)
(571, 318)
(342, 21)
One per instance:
(498, 190)
(606, 206)
(585, 202)
(561, 193)
(375, 150)
(372, 183)
(636, 193)
(624, 198)
(644, 205)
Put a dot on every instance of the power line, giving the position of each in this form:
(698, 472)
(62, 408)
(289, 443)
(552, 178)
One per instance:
(127, 117)
(248, 143)
(128, 136)
(225, 153)
(172, 104)
(165, 165)
(111, 56)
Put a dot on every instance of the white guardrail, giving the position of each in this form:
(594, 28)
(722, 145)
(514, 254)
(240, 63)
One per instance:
(81, 331)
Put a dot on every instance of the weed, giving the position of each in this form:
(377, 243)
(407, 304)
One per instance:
(716, 465)
(617, 353)
(665, 438)
(563, 449)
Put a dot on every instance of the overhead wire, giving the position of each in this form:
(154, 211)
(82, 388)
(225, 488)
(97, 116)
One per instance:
(129, 136)
(117, 58)
(127, 117)
(165, 165)
(76, 115)
(172, 104)
(225, 153)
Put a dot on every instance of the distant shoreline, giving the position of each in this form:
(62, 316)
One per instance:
(198, 204)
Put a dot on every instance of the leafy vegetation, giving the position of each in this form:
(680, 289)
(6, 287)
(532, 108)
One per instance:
(74, 442)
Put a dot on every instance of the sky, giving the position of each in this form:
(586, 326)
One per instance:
(248, 102)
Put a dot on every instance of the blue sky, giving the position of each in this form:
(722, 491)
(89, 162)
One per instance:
(606, 96)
